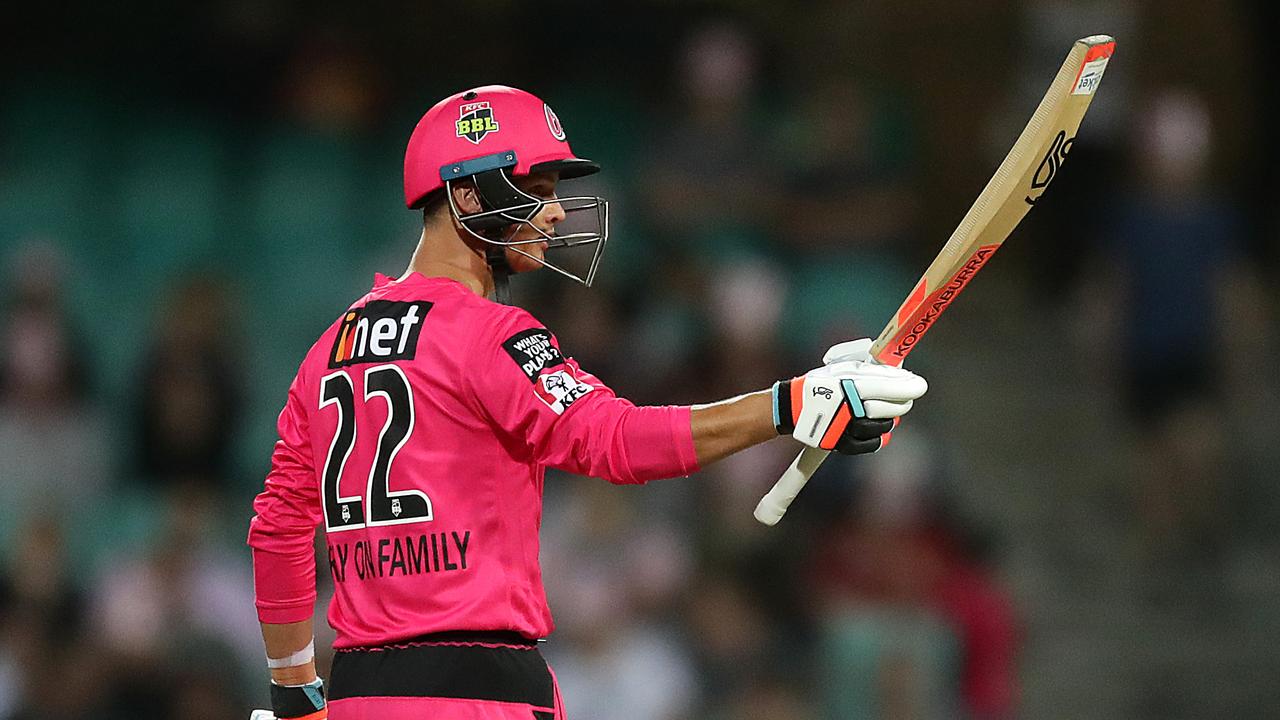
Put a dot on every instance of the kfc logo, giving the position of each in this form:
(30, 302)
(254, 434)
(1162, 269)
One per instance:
(560, 389)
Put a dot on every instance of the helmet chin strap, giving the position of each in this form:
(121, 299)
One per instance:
(497, 259)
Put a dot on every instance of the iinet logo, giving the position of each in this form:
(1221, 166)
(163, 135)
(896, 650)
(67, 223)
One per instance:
(381, 330)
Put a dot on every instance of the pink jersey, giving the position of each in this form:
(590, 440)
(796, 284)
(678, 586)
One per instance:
(417, 431)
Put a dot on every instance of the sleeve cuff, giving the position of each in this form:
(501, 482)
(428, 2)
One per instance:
(285, 614)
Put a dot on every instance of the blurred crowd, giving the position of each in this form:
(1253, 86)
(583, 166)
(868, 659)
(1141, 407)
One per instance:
(1086, 480)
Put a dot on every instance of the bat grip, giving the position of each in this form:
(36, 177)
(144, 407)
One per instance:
(775, 502)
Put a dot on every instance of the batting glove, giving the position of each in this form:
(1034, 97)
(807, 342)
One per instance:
(859, 350)
(849, 405)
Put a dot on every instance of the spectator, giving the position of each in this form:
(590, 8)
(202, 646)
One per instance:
(709, 187)
(52, 437)
(1175, 245)
(190, 407)
(182, 578)
(850, 212)
(913, 622)
(41, 617)
(732, 641)
(616, 654)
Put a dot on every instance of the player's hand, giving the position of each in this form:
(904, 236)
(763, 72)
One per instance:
(848, 405)
(300, 702)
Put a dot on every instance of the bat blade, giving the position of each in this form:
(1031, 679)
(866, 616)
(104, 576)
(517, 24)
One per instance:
(1023, 176)
(1019, 182)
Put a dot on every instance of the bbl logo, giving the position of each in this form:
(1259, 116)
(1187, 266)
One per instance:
(475, 121)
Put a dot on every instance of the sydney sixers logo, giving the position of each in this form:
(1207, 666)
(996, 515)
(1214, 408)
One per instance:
(553, 122)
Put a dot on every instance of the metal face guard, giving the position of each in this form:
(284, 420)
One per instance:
(508, 220)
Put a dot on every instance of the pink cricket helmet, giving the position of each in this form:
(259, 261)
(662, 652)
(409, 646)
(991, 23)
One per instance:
(485, 128)
(487, 136)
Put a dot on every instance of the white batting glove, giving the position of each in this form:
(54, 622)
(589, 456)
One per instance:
(848, 405)
(859, 350)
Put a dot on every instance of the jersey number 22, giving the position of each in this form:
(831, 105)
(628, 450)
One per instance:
(378, 506)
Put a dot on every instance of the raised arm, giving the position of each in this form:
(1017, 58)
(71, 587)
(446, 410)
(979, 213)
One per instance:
(569, 419)
(849, 406)
(723, 428)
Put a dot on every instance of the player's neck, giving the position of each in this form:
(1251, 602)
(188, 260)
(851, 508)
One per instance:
(441, 253)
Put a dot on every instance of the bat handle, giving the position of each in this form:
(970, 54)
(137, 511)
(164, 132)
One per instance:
(775, 502)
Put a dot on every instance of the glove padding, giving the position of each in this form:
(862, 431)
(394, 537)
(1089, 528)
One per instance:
(849, 405)
(295, 702)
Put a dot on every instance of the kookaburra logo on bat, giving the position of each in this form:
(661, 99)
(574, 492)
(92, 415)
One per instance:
(823, 391)
(1053, 160)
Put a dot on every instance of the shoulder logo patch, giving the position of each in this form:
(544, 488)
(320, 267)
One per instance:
(381, 330)
(533, 352)
(555, 383)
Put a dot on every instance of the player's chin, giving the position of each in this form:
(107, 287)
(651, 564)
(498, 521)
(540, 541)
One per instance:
(523, 263)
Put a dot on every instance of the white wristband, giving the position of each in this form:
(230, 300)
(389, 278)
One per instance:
(302, 657)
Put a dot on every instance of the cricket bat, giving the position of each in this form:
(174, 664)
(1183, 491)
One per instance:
(1018, 183)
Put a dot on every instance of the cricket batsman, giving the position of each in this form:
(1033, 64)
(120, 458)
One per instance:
(420, 425)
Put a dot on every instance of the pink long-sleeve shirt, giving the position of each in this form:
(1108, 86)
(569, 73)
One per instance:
(417, 431)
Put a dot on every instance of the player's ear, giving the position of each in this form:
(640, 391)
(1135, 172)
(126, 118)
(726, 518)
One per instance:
(466, 198)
